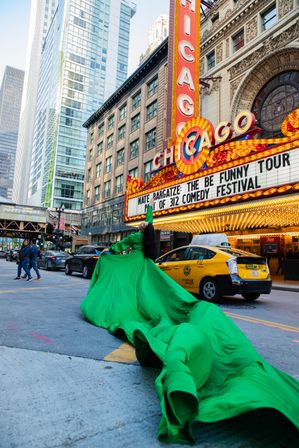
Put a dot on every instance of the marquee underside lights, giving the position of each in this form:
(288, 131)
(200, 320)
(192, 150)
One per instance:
(269, 213)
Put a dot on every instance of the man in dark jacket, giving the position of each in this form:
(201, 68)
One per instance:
(24, 259)
(34, 255)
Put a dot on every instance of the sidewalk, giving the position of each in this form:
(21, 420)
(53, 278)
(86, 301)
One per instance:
(278, 282)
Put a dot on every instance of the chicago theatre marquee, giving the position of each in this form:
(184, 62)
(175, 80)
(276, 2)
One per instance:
(230, 158)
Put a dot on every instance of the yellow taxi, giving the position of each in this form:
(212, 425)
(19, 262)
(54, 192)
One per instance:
(214, 271)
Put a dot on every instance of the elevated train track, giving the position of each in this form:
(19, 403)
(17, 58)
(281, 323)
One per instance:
(21, 221)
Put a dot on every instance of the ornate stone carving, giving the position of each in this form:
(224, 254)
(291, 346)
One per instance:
(251, 29)
(234, 85)
(205, 35)
(219, 53)
(213, 87)
(269, 46)
(228, 14)
(284, 6)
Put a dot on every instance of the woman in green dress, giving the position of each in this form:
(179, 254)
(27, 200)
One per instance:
(209, 369)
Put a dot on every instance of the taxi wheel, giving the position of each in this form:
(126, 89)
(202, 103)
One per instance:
(250, 296)
(209, 289)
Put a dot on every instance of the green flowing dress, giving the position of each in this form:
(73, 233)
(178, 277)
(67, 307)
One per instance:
(209, 369)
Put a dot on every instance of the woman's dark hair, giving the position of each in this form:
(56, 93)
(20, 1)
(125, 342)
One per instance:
(149, 242)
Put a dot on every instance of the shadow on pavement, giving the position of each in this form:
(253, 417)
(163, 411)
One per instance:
(263, 428)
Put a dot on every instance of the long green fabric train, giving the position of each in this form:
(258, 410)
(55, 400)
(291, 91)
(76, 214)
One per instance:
(209, 369)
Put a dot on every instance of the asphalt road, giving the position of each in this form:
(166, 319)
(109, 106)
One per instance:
(66, 383)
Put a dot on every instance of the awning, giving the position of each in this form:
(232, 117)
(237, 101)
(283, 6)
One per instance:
(257, 214)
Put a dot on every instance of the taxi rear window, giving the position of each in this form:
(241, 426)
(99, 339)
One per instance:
(236, 253)
(251, 260)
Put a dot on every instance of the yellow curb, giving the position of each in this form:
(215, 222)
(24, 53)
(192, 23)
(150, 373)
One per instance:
(125, 353)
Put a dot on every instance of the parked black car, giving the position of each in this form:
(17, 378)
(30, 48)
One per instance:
(83, 261)
(53, 259)
(3, 253)
(12, 255)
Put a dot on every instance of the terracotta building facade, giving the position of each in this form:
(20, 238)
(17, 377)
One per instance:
(249, 61)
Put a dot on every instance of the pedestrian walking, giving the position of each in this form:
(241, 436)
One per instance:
(24, 260)
(34, 255)
(20, 262)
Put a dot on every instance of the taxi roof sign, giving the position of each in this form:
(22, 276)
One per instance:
(211, 239)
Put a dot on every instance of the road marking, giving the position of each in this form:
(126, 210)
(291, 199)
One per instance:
(41, 337)
(3, 291)
(125, 353)
(266, 323)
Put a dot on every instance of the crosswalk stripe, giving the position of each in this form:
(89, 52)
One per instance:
(266, 323)
(28, 288)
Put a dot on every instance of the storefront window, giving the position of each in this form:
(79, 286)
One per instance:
(111, 122)
(98, 169)
(107, 189)
(268, 18)
(97, 193)
(134, 148)
(238, 41)
(135, 122)
(100, 129)
(108, 164)
(99, 148)
(211, 60)
(133, 172)
(123, 112)
(136, 100)
(121, 132)
(120, 157)
(151, 110)
(119, 184)
(152, 87)
(148, 166)
(150, 139)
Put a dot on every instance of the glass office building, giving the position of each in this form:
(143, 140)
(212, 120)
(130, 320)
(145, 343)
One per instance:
(41, 14)
(10, 106)
(84, 59)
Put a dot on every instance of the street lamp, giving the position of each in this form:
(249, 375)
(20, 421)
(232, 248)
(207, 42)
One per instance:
(59, 210)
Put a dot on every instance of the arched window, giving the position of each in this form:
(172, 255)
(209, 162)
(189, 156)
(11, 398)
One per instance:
(275, 101)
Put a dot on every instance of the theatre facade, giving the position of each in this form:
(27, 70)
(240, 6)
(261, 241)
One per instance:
(234, 168)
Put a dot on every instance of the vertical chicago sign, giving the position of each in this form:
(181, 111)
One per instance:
(183, 65)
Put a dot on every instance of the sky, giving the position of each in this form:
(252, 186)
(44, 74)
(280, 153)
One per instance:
(14, 23)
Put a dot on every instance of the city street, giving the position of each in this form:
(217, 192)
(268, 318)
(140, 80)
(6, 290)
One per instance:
(67, 383)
